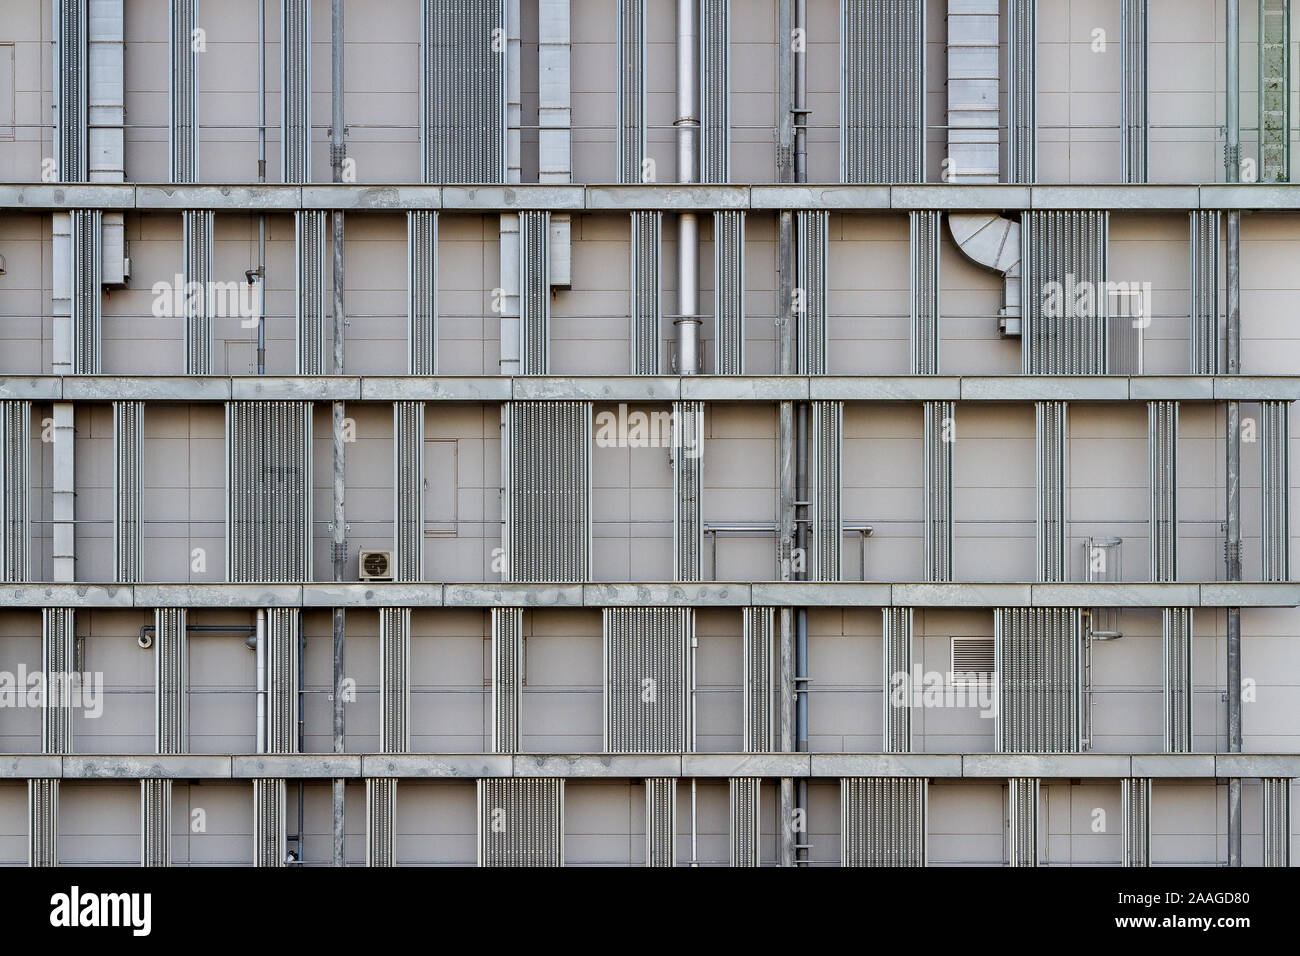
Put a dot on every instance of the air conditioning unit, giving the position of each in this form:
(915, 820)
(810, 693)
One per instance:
(375, 565)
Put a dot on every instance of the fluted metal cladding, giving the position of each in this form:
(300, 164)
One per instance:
(715, 91)
(269, 835)
(882, 93)
(688, 490)
(1135, 806)
(883, 821)
(1051, 428)
(1178, 692)
(422, 291)
(1275, 471)
(760, 679)
(171, 681)
(283, 627)
(463, 91)
(729, 292)
(15, 491)
(534, 293)
(940, 420)
(1162, 448)
(183, 93)
(925, 230)
(1274, 91)
(647, 661)
(745, 818)
(897, 641)
(1135, 94)
(827, 483)
(1038, 657)
(309, 278)
(196, 271)
(155, 822)
(548, 491)
(1022, 100)
(71, 90)
(42, 822)
(647, 308)
(381, 821)
(1022, 797)
(394, 680)
(1277, 821)
(1065, 302)
(811, 315)
(507, 678)
(408, 491)
(268, 491)
(1205, 269)
(87, 304)
(128, 445)
(58, 659)
(521, 821)
(661, 821)
(295, 92)
(631, 90)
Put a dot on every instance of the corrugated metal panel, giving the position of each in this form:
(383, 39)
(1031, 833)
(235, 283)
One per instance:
(729, 292)
(745, 829)
(812, 240)
(15, 491)
(534, 293)
(43, 822)
(883, 821)
(925, 231)
(760, 679)
(268, 491)
(507, 677)
(1275, 470)
(647, 236)
(394, 680)
(87, 305)
(631, 91)
(58, 658)
(1051, 424)
(661, 821)
(422, 291)
(648, 659)
(171, 681)
(1277, 821)
(1134, 17)
(463, 91)
(1178, 692)
(381, 821)
(548, 491)
(1039, 667)
(715, 91)
(295, 94)
(183, 93)
(1162, 447)
(1022, 113)
(283, 634)
(897, 641)
(196, 272)
(882, 95)
(1205, 268)
(826, 480)
(688, 490)
(408, 491)
(155, 823)
(1022, 813)
(520, 821)
(128, 444)
(1274, 91)
(269, 841)
(940, 422)
(1066, 305)
(309, 287)
(71, 91)
(1135, 801)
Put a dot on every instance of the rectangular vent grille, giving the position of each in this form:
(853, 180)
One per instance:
(972, 661)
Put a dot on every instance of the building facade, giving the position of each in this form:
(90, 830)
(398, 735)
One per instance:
(652, 432)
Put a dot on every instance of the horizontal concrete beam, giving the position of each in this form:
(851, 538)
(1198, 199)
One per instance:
(980, 766)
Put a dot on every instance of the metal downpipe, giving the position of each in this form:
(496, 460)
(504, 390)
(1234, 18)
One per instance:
(687, 323)
(261, 680)
(800, 508)
(261, 178)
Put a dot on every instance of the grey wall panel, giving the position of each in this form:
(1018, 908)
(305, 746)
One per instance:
(408, 491)
(128, 518)
(760, 676)
(882, 91)
(520, 822)
(648, 662)
(1135, 806)
(1178, 688)
(883, 821)
(661, 821)
(1052, 429)
(729, 293)
(15, 491)
(647, 308)
(422, 291)
(507, 677)
(1038, 664)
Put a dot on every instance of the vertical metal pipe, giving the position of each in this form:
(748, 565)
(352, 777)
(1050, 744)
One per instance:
(800, 94)
(261, 681)
(261, 178)
(688, 148)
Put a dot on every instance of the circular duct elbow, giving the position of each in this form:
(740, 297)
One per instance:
(988, 240)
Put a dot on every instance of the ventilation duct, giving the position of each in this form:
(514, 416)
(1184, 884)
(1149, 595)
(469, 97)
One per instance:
(422, 291)
(995, 244)
(649, 692)
(973, 92)
(520, 821)
(883, 821)
(1038, 656)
